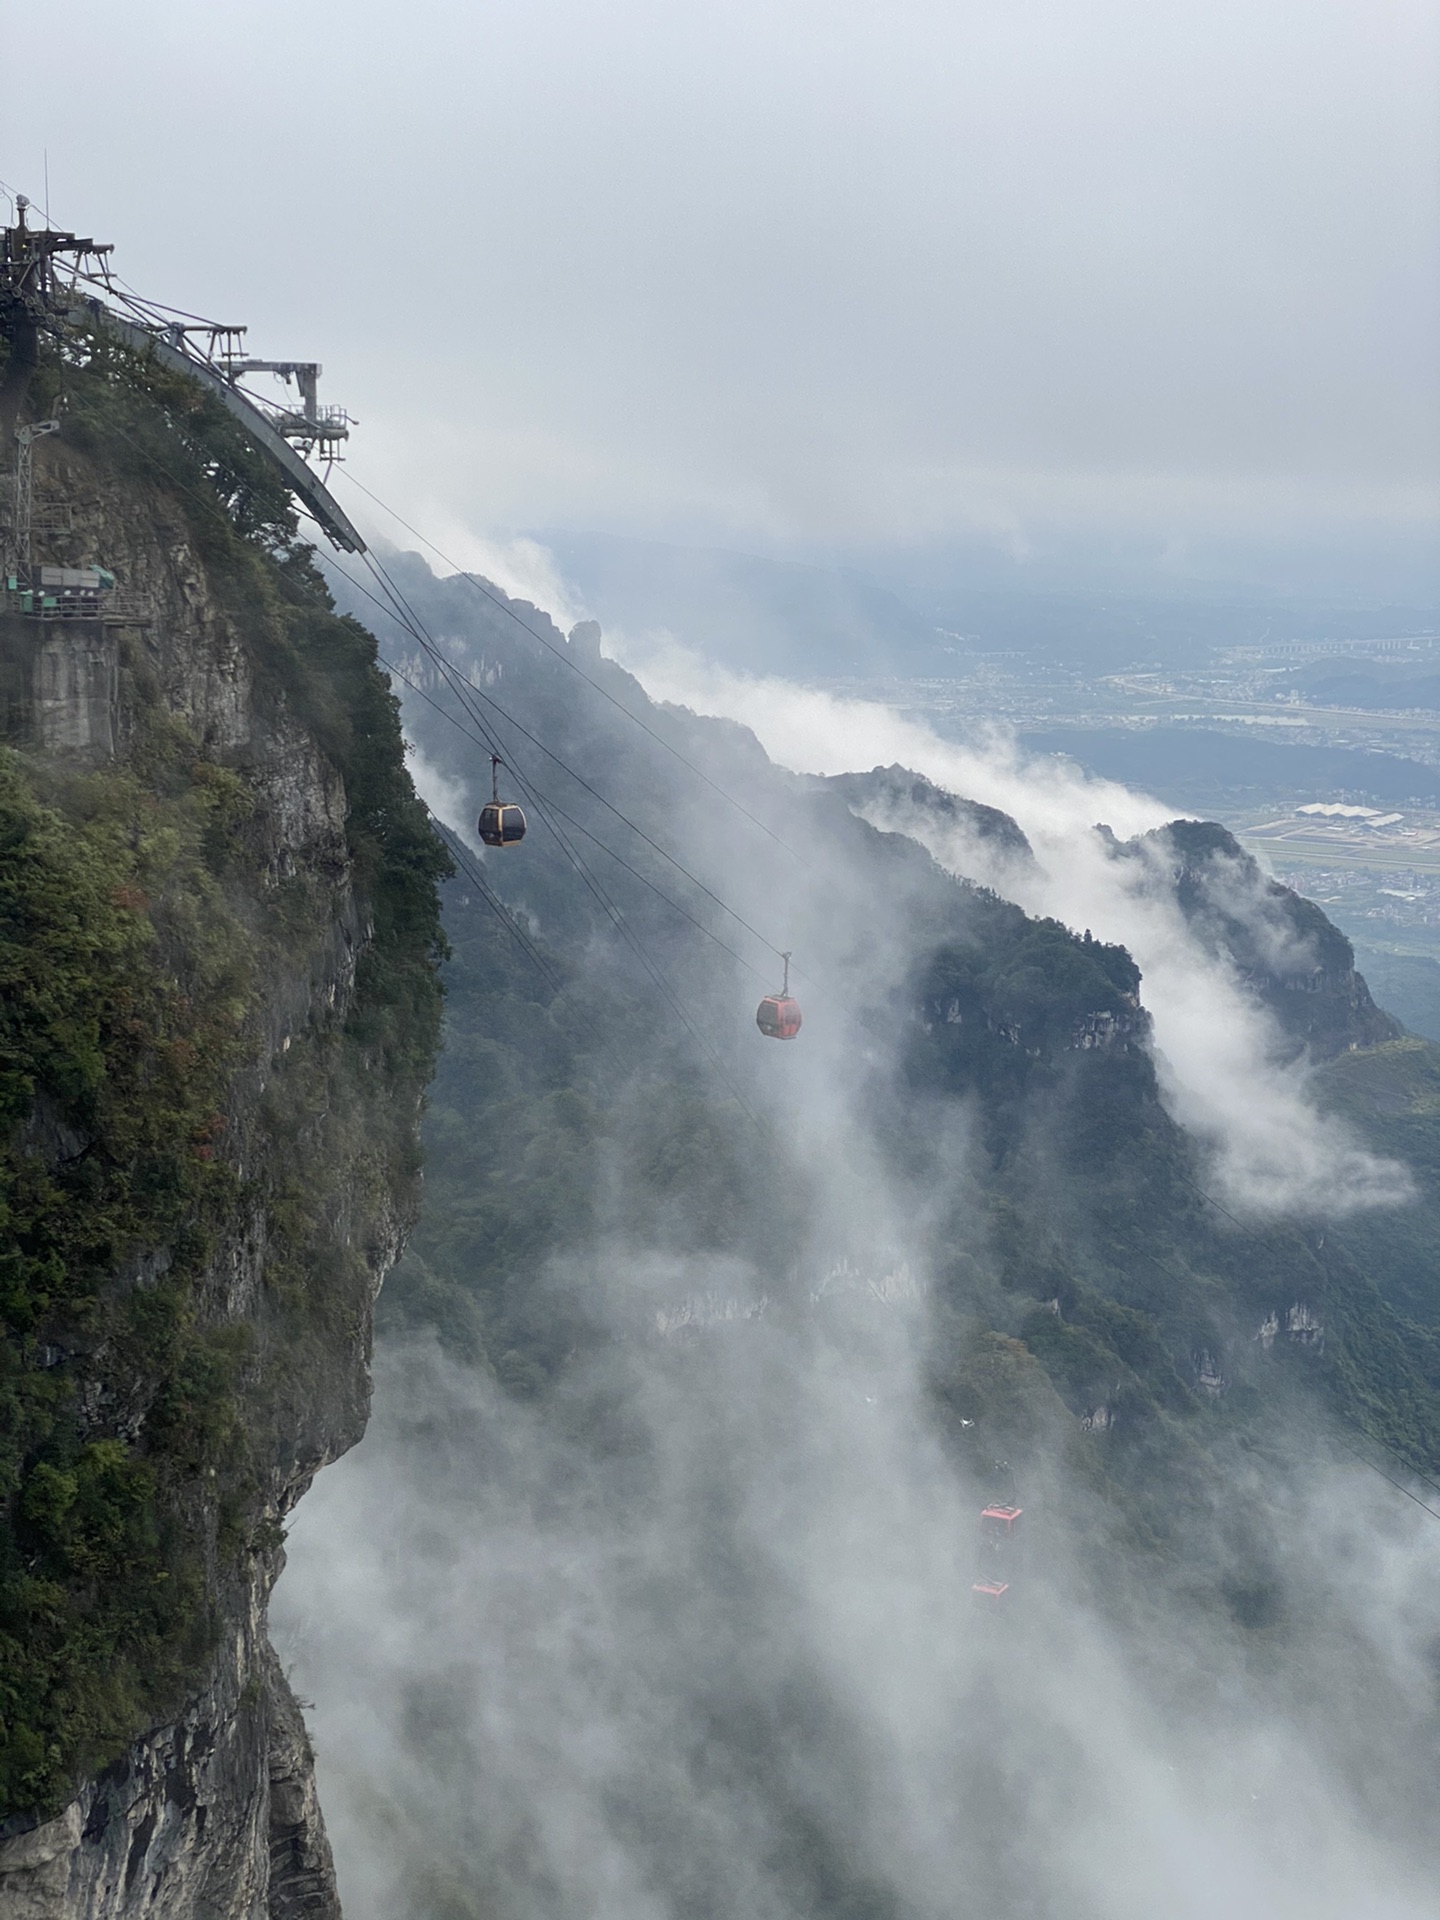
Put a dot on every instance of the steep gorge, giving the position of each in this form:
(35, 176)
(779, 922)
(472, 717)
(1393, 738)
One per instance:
(707, 1350)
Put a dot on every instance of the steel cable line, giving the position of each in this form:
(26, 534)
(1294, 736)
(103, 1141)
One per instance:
(400, 609)
(403, 610)
(487, 740)
(1356, 1454)
(612, 912)
(627, 933)
(460, 854)
(467, 866)
(587, 878)
(141, 305)
(496, 600)
(455, 846)
(214, 507)
(445, 714)
(580, 780)
(542, 803)
(145, 308)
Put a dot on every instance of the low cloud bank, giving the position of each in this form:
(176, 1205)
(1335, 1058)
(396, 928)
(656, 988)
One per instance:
(1225, 1071)
(690, 1634)
(718, 1655)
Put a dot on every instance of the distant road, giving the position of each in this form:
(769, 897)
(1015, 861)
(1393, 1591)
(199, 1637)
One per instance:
(1285, 850)
(1398, 722)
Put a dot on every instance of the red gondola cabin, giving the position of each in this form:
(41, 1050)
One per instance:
(778, 1016)
(999, 1523)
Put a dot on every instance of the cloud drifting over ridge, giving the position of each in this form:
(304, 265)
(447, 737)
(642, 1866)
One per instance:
(1223, 1071)
(690, 1631)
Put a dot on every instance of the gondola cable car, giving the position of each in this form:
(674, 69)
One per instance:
(778, 1016)
(501, 822)
(999, 1552)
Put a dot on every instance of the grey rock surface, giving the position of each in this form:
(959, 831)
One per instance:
(214, 1815)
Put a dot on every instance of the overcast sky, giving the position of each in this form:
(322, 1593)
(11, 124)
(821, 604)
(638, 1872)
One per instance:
(797, 275)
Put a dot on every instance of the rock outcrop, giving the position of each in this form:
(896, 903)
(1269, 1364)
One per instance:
(1285, 949)
(897, 800)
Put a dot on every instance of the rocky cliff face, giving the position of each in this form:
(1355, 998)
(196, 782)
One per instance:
(1288, 953)
(215, 772)
(894, 798)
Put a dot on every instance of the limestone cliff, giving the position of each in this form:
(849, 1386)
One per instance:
(1284, 948)
(218, 937)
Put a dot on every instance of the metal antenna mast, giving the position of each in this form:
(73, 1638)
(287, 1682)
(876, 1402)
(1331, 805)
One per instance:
(25, 487)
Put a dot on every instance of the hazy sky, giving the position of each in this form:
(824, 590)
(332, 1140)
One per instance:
(798, 274)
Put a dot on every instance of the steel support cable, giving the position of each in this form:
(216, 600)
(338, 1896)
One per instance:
(1399, 1487)
(460, 854)
(482, 887)
(138, 303)
(542, 803)
(612, 912)
(489, 742)
(474, 693)
(116, 284)
(467, 867)
(645, 881)
(1396, 1455)
(627, 933)
(561, 654)
(593, 886)
(587, 878)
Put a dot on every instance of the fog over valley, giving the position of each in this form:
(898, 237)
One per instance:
(720, 939)
(673, 1605)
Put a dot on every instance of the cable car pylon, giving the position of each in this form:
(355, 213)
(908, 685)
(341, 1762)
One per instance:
(778, 1016)
(501, 822)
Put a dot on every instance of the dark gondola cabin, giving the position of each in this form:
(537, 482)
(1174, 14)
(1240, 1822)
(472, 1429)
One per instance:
(778, 1016)
(501, 822)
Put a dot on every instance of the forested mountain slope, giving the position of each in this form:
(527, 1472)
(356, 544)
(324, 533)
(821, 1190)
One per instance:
(708, 1349)
(995, 1068)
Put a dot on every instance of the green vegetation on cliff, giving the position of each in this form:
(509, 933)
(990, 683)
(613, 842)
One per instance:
(199, 1168)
